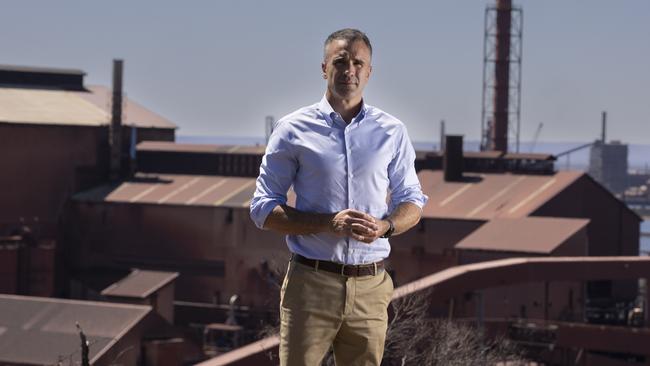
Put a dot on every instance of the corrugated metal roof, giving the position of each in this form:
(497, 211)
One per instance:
(60, 107)
(488, 196)
(36, 106)
(140, 284)
(171, 189)
(37, 330)
(529, 156)
(527, 235)
(134, 113)
(483, 154)
(199, 148)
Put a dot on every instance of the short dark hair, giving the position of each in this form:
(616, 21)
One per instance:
(350, 35)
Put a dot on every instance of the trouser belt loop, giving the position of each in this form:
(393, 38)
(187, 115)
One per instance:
(375, 271)
(316, 266)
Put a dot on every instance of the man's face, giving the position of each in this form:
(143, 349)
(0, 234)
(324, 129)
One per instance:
(346, 68)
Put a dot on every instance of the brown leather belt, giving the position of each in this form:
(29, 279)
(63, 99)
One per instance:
(349, 270)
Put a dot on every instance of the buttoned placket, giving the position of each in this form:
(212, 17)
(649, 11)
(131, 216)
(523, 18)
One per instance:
(346, 134)
(349, 166)
(338, 120)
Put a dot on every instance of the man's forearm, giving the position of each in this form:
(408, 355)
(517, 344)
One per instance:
(288, 220)
(405, 216)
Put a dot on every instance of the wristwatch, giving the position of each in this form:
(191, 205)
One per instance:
(389, 232)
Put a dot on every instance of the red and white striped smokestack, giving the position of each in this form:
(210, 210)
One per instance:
(499, 132)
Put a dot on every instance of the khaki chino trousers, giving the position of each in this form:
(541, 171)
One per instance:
(320, 309)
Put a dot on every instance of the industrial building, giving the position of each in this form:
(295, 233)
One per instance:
(183, 210)
(102, 204)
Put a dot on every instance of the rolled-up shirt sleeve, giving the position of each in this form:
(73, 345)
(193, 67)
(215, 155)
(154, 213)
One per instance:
(404, 183)
(277, 173)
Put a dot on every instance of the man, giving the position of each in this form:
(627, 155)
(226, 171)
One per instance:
(342, 157)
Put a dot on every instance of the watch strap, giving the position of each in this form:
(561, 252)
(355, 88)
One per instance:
(389, 232)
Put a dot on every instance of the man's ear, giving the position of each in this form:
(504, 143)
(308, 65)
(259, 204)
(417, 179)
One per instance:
(323, 67)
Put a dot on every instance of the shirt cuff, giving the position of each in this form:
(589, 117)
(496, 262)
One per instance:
(261, 209)
(415, 197)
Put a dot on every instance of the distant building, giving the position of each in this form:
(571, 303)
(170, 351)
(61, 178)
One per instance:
(198, 224)
(54, 142)
(608, 165)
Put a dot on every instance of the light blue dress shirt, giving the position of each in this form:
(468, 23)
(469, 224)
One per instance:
(334, 166)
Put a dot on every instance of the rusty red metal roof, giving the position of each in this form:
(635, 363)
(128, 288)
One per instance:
(72, 108)
(488, 196)
(200, 148)
(482, 154)
(134, 113)
(529, 156)
(173, 189)
(140, 284)
(540, 235)
(36, 331)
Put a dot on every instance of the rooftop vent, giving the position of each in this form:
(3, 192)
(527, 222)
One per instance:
(41, 78)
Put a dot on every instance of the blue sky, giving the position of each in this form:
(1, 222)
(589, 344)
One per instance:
(219, 67)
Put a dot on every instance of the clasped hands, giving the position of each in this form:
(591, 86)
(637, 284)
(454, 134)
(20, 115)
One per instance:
(358, 225)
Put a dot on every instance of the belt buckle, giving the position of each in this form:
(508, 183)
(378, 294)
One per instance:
(343, 270)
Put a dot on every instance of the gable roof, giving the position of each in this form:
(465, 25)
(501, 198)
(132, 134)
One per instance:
(540, 235)
(174, 189)
(140, 284)
(488, 196)
(72, 108)
(37, 331)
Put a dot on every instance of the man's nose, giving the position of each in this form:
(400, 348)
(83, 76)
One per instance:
(349, 70)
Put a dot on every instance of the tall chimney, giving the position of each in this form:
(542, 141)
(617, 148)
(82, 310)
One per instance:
(453, 160)
(604, 128)
(499, 134)
(115, 128)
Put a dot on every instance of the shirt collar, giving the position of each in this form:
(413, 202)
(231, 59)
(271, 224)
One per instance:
(328, 112)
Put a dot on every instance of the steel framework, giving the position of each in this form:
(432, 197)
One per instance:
(490, 83)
